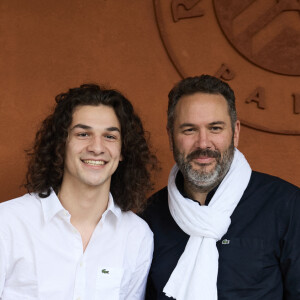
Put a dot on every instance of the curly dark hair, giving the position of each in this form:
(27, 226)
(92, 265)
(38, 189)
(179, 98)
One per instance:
(131, 181)
(201, 84)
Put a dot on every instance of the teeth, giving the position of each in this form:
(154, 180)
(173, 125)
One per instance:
(94, 162)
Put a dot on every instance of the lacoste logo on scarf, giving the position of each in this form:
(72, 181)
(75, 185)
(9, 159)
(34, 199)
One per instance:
(225, 242)
(104, 271)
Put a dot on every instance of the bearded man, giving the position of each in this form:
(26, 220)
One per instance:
(221, 230)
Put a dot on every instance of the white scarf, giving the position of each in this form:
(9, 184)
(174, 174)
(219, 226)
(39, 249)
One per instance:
(195, 275)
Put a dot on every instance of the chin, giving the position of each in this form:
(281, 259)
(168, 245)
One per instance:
(92, 182)
(205, 168)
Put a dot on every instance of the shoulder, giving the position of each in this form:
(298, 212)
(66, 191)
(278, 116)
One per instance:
(272, 194)
(18, 205)
(157, 206)
(271, 185)
(136, 226)
(158, 215)
(158, 201)
(19, 211)
(159, 196)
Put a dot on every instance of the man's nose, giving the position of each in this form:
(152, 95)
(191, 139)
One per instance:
(96, 145)
(203, 139)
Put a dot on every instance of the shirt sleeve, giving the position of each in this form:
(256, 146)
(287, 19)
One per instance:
(137, 287)
(290, 255)
(3, 259)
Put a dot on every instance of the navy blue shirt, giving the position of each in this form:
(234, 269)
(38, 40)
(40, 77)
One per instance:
(259, 256)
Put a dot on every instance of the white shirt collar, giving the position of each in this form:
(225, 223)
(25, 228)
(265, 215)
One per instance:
(52, 206)
(115, 209)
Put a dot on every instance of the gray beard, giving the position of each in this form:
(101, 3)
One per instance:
(201, 181)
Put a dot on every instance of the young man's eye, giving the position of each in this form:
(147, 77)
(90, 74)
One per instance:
(111, 137)
(82, 134)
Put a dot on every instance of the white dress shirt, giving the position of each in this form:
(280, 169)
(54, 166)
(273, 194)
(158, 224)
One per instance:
(41, 253)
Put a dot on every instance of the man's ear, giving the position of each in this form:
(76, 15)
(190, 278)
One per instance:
(121, 156)
(170, 139)
(236, 135)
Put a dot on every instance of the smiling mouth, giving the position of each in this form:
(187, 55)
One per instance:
(204, 160)
(93, 162)
(203, 154)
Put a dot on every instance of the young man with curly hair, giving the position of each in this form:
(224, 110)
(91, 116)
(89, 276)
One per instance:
(73, 236)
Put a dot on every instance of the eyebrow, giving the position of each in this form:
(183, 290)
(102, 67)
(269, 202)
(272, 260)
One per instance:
(192, 125)
(113, 129)
(86, 127)
(217, 123)
(186, 125)
(82, 126)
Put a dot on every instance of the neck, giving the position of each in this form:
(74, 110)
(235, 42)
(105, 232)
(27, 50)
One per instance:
(86, 204)
(194, 193)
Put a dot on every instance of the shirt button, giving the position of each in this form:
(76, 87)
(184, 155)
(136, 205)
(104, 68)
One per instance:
(78, 298)
(81, 264)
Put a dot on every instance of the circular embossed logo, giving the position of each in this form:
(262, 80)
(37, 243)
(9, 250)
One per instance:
(265, 32)
(254, 45)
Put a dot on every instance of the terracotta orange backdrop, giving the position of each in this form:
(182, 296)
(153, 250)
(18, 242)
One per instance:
(50, 46)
